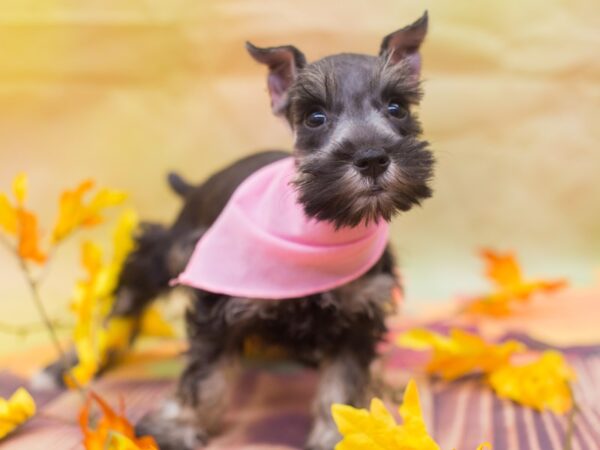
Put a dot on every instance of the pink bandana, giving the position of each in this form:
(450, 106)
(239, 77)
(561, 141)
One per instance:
(263, 246)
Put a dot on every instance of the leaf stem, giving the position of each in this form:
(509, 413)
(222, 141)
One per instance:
(33, 284)
(25, 330)
(568, 443)
(37, 300)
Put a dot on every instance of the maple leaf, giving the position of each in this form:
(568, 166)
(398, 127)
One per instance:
(460, 353)
(29, 237)
(510, 286)
(15, 411)
(376, 429)
(113, 431)
(16, 220)
(542, 384)
(8, 215)
(96, 336)
(74, 212)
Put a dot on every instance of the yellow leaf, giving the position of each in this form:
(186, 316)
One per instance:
(91, 258)
(153, 324)
(121, 442)
(116, 334)
(123, 242)
(460, 353)
(15, 411)
(74, 212)
(20, 188)
(113, 431)
(377, 430)
(542, 384)
(414, 429)
(86, 368)
(410, 410)
(8, 215)
(97, 337)
(105, 198)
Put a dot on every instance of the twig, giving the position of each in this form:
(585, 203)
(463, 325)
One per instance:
(25, 330)
(7, 244)
(44, 272)
(37, 300)
(47, 322)
(568, 443)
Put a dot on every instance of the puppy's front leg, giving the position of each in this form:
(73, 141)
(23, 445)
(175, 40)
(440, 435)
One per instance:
(186, 421)
(344, 379)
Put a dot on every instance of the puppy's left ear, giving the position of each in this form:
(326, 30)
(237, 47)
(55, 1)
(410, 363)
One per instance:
(284, 63)
(404, 44)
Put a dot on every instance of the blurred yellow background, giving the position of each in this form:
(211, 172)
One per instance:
(125, 90)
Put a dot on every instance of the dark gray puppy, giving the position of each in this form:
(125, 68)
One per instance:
(358, 158)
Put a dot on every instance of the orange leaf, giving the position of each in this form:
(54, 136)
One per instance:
(28, 237)
(70, 210)
(502, 270)
(511, 287)
(75, 212)
(110, 424)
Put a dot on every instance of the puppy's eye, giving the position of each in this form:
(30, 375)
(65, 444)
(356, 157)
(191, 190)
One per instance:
(394, 109)
(315, 119)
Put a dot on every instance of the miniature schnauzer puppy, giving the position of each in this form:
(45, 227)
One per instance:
(358, 158)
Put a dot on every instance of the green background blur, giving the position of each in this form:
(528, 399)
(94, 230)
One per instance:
(123, 91)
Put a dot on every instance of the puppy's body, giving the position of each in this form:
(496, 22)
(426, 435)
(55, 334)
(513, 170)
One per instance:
(358, 160)
(336, 331)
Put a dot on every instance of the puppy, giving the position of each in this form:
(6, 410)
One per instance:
(292, 249)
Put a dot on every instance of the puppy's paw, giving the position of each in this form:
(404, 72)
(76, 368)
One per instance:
(48, 379)
(170, 434)
(44, 381)
(52, 377)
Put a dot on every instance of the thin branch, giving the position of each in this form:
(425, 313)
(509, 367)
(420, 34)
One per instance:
(7, 244)
(568, 443)
(30, 328)
(37, 300)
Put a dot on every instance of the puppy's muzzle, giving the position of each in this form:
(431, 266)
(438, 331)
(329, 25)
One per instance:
(371, 162)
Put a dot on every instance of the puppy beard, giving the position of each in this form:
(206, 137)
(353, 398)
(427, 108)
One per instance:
(331, 189)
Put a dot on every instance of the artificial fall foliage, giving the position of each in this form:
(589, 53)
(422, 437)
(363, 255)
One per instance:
(16, 220)
(112, 431)
(376, 429)
(510, 286)
(460, 353)
(542, 384)
(74, 212)
(15, 411)
(95, 336)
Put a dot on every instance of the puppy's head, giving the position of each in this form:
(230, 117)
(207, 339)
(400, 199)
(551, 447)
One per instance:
(358, 153)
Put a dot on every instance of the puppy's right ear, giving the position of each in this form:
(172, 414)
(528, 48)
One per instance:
(284, 63)
(405, 43)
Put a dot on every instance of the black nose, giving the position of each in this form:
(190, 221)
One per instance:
(371, 162)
